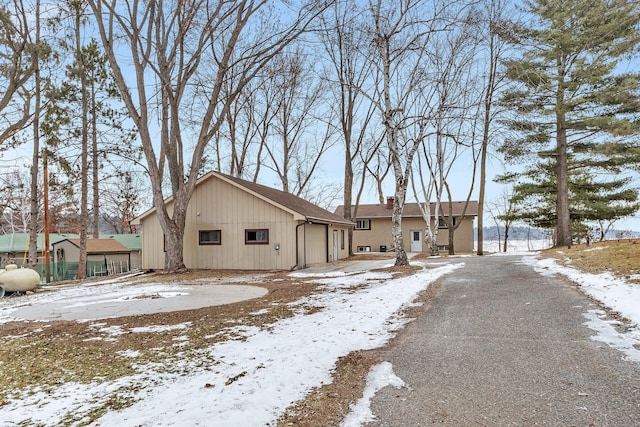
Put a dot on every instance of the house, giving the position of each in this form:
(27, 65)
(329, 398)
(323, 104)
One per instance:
(372, 231)
(104, 257)
(14, 247)
(133, 242)
(236, 224)
(125, 256)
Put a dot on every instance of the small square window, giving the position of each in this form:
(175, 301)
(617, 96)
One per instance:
(209, 237)
(443, 222)
(256, 237)
(363, 224)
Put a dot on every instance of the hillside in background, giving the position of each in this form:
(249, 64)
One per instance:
(529, 233)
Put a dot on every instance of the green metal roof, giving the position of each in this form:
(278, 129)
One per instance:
(19, 242)
(131, 241)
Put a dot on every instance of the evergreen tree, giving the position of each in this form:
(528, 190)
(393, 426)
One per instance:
(591, 200)
(569, 95)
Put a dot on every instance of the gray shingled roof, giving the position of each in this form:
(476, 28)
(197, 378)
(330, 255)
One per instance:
(294, 203)
(411, 210)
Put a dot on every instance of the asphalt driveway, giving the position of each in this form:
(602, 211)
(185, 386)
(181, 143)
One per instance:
(501, 345)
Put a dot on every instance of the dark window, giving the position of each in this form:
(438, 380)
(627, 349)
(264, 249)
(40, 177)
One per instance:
(341, 239)
(363, 224)
(443, 222)
(209, 237)
(256, 237)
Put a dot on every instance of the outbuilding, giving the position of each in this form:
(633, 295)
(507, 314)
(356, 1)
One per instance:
(241, 225)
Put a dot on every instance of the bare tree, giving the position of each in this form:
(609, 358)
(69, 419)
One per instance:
(18, 63)
(454, 121)
(34, 207)
(401, 33)
(503, 211)
(182, 53)
(299, 135)
(494, 45)
(347, 74)
(122, 199)
(15, 200)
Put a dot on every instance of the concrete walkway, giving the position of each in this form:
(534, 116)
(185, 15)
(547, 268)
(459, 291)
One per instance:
(501, 345)
(131, 301)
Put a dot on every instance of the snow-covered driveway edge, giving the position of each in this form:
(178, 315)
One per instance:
(272, 368)
(612, 292)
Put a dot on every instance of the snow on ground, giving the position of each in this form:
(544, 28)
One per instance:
(615, 293)
(516, 246)
(379, 377)
(255, 379)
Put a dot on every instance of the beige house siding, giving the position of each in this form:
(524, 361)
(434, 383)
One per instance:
(219, 205)
(317, 244)
(380, 235)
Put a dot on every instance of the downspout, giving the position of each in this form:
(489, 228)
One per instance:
(329, 247)
(295, 267)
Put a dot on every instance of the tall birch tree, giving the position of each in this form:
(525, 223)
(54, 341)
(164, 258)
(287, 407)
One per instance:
(400, 33)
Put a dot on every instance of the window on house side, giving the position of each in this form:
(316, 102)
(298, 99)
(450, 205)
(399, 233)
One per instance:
(363, 224)
(342, 239)
(444, 222)
(209, 237)
(256, 237)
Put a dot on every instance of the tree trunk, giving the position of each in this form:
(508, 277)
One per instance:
(396, 228)
(95, 166)
(84, 171)
(35, 206)
(506, 237)
(562, 206)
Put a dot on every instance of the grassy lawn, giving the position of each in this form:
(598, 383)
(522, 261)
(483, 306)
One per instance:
(620, 257)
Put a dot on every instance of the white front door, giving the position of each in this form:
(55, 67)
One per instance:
(335, 245)
(416, 241)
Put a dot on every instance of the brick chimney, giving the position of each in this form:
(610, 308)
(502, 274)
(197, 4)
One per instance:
(390, 202)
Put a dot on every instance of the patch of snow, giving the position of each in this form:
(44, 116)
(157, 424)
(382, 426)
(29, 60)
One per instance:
(129, 353)
(379, 376)
(160, 328)
(607, 333)
(614, 292)
(596, 248)
(248, 381)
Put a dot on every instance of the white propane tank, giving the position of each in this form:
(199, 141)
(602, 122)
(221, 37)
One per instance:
(14, 279)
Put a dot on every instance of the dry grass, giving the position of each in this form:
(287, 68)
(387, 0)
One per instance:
(39, 356)
(620, 257)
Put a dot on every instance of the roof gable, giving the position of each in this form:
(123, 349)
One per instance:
(100, 246)
(282, 200)
(19, 242)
